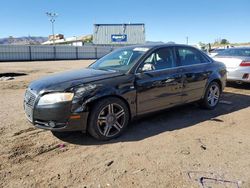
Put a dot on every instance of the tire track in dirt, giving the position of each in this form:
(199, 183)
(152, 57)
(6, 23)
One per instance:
(24, 131)
(26, 145)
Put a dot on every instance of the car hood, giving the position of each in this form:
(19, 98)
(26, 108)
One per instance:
(65, 80)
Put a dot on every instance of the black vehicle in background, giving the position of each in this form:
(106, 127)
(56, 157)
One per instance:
(124, 84)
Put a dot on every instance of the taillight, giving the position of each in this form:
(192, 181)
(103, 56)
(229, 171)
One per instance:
(245, 64)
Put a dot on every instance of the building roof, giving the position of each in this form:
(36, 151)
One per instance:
(142, 24)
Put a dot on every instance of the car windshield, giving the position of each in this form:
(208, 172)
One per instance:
(120, 60)
(235, 52)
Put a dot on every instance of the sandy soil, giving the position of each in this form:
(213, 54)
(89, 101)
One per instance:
(180, 147)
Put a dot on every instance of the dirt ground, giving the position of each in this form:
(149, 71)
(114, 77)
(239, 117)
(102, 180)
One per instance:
(180, 147)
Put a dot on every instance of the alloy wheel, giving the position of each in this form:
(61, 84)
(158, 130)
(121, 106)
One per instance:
(111, 120)
(213, 95)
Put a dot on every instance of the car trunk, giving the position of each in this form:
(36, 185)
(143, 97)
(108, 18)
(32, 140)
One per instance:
(230, 62)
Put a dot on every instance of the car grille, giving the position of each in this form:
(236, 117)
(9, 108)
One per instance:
(29, 102)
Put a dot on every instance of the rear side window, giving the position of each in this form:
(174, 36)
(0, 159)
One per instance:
(190, 56)
(235, 52)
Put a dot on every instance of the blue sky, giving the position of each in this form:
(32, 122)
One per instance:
(201, 20)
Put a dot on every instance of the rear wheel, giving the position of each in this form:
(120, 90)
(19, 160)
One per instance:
(108, 118)
(212, 96)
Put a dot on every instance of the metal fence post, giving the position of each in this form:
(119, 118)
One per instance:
(30, 55)
(77, 52)
(54, 49)
(96, 52)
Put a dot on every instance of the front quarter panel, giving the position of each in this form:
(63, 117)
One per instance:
(122, 87)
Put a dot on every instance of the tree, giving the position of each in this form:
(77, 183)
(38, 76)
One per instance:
(11, 40)
(224, 41)
(201, 44)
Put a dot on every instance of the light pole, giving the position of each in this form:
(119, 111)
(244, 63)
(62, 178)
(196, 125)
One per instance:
(52, 18)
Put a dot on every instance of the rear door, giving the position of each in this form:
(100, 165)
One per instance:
(159, 88)
(195, 69)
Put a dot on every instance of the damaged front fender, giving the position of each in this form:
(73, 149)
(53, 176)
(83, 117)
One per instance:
(86, 94)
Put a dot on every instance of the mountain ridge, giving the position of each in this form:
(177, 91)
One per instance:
(25, 40)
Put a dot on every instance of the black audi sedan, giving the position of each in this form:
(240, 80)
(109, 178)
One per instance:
(104, 97)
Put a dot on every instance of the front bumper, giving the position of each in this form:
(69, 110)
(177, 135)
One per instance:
(56, 117)
(79, 124)
(239, 74)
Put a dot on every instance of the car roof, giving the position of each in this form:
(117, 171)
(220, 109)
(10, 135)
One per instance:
(151, 46)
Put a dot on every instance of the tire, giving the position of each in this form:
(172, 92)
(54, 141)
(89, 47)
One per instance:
(108, 118)
(212, 96)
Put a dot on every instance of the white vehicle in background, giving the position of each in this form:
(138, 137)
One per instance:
(215, 52)
(237, 61)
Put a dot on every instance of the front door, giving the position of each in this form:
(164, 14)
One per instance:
(158, 82)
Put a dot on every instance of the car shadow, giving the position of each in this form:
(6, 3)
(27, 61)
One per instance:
(169, 120)
(245, 86)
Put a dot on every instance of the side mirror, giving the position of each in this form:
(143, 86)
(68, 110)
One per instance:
(147, 67)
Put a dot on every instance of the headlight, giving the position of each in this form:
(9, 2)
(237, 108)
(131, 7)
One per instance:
(55, 98)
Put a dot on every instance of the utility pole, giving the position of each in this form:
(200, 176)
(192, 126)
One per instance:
(52, 18)
(187, 39)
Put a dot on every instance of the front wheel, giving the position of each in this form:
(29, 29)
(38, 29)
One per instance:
(108, 118)
(212, 96)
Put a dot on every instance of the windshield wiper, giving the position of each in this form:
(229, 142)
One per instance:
(111, 70)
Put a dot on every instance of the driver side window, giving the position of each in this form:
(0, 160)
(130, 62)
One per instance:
(160, 59)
